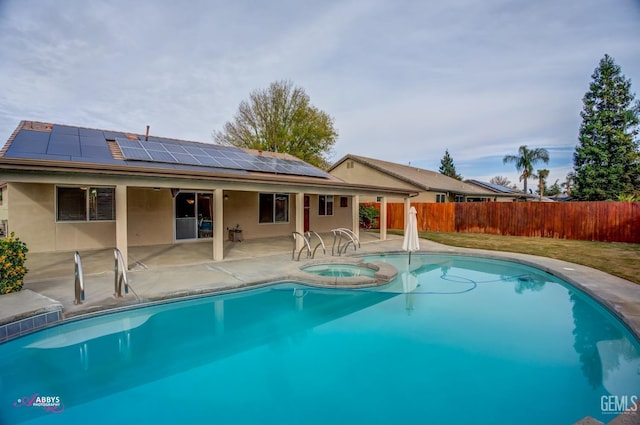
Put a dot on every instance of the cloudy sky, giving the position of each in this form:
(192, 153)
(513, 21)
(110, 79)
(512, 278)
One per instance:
(404, 80)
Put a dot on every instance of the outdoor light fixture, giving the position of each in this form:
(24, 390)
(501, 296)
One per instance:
(226, 197)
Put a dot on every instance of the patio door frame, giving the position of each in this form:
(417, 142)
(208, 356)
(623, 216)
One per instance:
(196, 218)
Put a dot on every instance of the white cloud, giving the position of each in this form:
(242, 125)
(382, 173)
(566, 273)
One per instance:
(403, 80)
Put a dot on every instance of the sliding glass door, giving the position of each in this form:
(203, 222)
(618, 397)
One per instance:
(194, 215)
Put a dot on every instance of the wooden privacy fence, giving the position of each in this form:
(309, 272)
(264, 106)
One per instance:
(597, 221)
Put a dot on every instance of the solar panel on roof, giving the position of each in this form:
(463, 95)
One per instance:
(194, 151)
(95, 151)
(187, 153)
(154, 146)
(162, 156)
(29, 141)
(92, 141)
(89, 132)
(229, 163)
(132, 153)
(185, 158)
(174, 148)
(64, 129)
(126, 143)
(208, 160)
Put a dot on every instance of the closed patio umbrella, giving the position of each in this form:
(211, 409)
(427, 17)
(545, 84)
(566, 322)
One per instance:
(411, 242)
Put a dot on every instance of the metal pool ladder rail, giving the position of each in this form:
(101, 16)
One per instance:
(120, 274)
(306, 238)
(305, 245)
(79, 282)
(350, 238)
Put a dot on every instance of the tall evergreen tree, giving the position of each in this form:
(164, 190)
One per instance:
(606, 162)
(447, 167)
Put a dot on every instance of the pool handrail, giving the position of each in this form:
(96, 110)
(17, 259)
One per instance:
(321, 243)
(120, 273)
(304, 246)
(351, 233)
(338, 233)
(79, 279)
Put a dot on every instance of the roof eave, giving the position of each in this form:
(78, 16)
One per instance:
(122, 170)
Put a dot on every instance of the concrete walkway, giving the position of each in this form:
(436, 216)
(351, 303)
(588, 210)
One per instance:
(170, 271)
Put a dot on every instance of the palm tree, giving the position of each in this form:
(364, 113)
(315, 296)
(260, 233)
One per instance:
(525, 161)
(542, 180)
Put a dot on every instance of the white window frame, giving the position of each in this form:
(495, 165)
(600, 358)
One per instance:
(328, 199)
(441, 198)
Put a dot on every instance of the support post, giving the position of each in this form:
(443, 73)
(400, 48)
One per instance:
(299, 219)
(355, 215)
(122, 242)
(383, 218)
(218, 225)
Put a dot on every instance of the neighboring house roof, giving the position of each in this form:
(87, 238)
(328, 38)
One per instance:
(420, 178)
(39, 146)
(561, 198)
(502, 191)
(494, 187)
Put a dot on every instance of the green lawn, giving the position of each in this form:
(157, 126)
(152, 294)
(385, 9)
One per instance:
(618, 259)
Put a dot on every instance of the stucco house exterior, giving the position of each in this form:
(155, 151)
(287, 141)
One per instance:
(429, 186)
(73, 188)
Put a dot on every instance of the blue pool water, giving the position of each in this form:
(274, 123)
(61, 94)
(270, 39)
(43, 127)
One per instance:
(452, 340)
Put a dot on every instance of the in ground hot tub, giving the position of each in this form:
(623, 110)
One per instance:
(341, 270)
(347, 274)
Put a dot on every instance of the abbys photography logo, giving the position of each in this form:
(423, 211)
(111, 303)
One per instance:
(618, 404)
(49, 403)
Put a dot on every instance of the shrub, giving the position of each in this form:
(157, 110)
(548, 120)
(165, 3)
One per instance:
(13, 254)
(369, 216)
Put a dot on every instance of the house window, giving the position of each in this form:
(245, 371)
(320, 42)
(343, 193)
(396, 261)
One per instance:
(440, 197)
(85, 203)
(344, 202)
(325, 204)
(349, 164)
(274, 208)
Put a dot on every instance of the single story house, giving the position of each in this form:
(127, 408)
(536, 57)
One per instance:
(430, 186)
(74, 188)
(503, 193)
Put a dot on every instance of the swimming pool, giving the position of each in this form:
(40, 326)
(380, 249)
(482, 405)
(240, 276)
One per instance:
(453, 340)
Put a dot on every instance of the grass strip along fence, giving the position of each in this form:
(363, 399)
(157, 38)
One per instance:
(591, 221)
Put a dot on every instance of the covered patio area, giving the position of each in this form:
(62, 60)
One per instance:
(55, 265)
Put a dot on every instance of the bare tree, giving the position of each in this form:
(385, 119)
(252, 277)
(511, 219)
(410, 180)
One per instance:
(281, 119)
(501, 181)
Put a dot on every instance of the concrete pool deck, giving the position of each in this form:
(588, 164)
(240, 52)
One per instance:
(171, 271)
